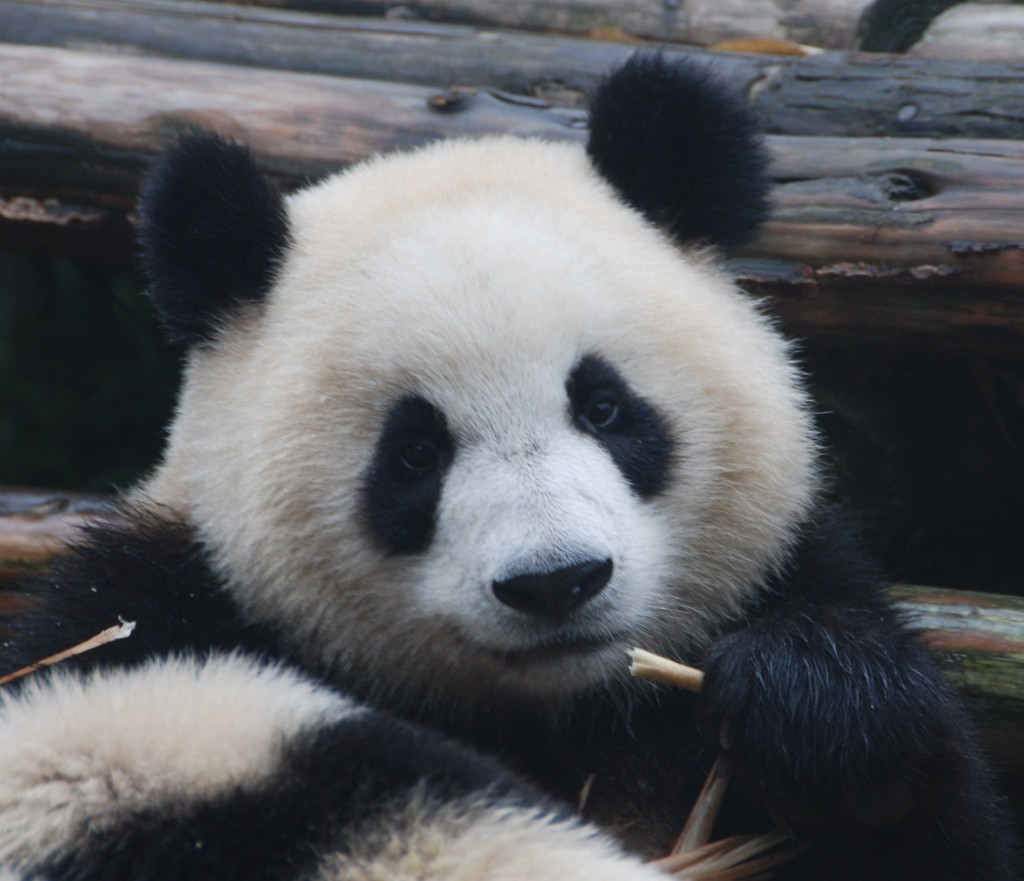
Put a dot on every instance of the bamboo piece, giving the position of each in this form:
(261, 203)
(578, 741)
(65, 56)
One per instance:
(694, 857)
(731, 859)
(697, 831)
(111, 634)
(655, 668)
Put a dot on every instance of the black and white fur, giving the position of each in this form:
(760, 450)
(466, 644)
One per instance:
(458, 428)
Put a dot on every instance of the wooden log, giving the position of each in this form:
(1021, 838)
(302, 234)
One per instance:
(36, 525)
(917, 243)
(864, 95)
(936, 227)
(829, 23)
(895, 25)
(418, 52)
(829, 94)
(871, 304)
(78, 128)
(976, 32)
(901, 203)
(978, 637)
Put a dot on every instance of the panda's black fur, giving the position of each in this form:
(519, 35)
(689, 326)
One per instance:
(637, 147)
(210, 244)
(836, 724)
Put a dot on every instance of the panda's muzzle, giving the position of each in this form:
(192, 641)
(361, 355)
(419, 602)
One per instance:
(555, 594)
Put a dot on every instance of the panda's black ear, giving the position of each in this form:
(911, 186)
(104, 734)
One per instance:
(212, 231)
(681, 148)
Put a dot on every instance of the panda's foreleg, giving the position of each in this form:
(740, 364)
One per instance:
(836, 718)
(228, 768)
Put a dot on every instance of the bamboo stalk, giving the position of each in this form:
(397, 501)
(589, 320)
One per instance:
(111, 634)
(697, 830)
(694, 857)
(655, 668)
(676, 862)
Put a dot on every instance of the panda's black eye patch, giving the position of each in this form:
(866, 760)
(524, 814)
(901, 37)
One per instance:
(629, 427)
(403, 486)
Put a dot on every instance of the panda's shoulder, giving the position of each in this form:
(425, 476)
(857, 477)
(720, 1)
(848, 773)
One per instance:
(141, 565)
(829, 559)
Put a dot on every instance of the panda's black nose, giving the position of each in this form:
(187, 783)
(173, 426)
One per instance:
(555, 594)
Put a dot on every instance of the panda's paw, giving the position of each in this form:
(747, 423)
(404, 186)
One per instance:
(828, 723)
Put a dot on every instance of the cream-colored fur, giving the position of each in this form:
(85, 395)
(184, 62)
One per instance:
(476, 274)
(474, 841)
(80, 755)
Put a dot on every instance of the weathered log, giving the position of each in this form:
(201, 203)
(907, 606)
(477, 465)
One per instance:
(829, 23)
(895, 25)
(418, 52)
(77, 129)
(869, 95)
(830, 94)
(36, 525)
(911, 242)
(979, 637)
(975, 31)
(872, 304)
(985, 30)
(936, 227)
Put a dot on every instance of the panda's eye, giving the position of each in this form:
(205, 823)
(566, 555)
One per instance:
(602, 411)
(603, 406)
(419, 457)
(403, 482)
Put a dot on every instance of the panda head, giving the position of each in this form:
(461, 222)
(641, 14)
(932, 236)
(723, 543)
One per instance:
(471, 421)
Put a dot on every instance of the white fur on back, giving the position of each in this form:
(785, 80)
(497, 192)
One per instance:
(474, 841)
(477, 274)
(82, 754)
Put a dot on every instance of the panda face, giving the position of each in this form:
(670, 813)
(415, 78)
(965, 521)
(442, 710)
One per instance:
(489, 430)
(532, 538)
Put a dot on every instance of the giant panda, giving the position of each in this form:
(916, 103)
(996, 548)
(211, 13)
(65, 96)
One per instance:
(460, 426)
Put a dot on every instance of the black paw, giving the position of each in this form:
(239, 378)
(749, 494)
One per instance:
(828, 721)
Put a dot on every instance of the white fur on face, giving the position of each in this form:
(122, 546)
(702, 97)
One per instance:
(80, 755)
(476, 275)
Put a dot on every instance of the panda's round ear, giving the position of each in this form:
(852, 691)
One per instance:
(682, 149)
(212, 232)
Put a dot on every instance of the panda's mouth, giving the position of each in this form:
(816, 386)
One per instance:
(560, 648)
